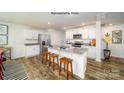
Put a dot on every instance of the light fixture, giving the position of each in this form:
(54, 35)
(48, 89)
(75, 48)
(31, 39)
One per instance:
(83, 24)
(64, 27)
(48, 23)
(110, 24)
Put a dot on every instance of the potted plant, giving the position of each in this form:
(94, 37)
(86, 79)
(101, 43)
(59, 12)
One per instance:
(108, 40)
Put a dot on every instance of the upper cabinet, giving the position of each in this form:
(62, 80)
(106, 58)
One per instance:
(69, 34)
(35, 34)
(29, 34)
(91, 33)
(87, 33)
(77, 31)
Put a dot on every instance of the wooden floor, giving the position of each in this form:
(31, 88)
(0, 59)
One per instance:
(113, 70)
(36, 70)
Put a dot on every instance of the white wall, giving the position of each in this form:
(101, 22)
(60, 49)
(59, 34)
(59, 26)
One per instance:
(16, 38)
(117, 50)
(57, 37)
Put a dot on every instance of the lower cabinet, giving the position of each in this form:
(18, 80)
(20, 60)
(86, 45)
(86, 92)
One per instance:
(32, 50)
(91, 51)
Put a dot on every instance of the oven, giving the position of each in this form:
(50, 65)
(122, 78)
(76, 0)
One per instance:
(77, 44)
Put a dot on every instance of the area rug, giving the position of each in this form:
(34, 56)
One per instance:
(14, 71)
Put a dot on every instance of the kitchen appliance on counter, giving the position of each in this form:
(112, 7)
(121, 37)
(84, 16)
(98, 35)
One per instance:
(77, 36)
(44, 41)
(77, 44)
(93, 42)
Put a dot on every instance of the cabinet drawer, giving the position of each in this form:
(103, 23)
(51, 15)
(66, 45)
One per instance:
(32, 50)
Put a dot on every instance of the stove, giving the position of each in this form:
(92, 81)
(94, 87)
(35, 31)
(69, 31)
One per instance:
(77, 44)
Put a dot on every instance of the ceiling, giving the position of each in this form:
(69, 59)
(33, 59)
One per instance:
(59, 20)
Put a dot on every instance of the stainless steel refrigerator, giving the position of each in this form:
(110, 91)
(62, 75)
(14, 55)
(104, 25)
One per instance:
(44, 41)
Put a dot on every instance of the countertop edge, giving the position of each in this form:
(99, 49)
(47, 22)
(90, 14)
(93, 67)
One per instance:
(31, 44)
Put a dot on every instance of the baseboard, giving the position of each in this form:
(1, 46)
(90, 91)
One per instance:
(117, 59)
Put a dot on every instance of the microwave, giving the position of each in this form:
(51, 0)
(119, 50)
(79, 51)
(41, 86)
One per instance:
(77, 36)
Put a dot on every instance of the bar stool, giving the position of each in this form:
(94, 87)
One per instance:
(48, 56)
(52, 57)
(66, 61)
(45, 56)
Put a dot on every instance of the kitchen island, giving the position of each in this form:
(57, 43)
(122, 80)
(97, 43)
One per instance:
(78, 55)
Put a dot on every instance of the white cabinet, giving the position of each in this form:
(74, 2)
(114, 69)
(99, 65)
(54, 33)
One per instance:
(36, 50)
(32, 50)
(91, 51)
(29, 51)
(91, 34)
(85, 34)
(88, 34)
(34, 34)
(74, 31)
(69, 35)
(30, 34)
(78, 31)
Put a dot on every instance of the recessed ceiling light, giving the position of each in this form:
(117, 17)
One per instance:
(83, 24)
(48, 23)
(110, 24)
(64, 28)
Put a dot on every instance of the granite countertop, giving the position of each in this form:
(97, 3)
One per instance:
(71, 50)
(30, 44)
(76, 50)
(89, 45)
(82, 44)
